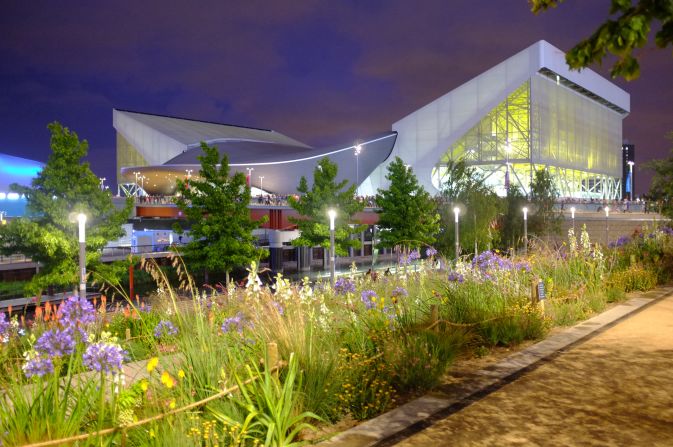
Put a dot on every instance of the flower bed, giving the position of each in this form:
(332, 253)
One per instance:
(351, 350)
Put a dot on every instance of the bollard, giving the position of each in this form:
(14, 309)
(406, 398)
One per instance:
(434, 317)
(272, 357)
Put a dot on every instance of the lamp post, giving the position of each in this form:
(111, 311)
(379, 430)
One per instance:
(102, 183)
(630, 163)
(358, 149)
(261, 184)
(572, 216)
(456, 213)
(525, 230)
(81, 219)
(137, 174)
(332, 215)
(607, 228)
(249, 175)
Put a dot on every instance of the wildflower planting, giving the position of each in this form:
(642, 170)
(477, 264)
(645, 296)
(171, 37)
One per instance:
(258, 365)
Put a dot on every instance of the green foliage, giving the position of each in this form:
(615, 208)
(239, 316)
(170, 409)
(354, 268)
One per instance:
(216, 208)
(312, 206)
(48, 234)
(274, 405)
(661, 188)
(511, 222)
(407, 214)
(621, 36)
(544, 219)
(479, 207)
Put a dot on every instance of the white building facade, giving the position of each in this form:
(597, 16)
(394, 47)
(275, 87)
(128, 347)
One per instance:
(527, 113)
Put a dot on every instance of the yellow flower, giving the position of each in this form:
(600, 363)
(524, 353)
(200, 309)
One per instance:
(181, 374)
(171, 404)
(167, 380)
(143, 385)
(153, 362)
(152, 435)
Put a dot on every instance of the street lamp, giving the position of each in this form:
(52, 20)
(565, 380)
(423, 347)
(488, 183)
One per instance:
(249, 175)
(456, 212)
(358, 149)
(630, 163)
(572, 216)
(102, 183)
(81, 219)
(525, 230)
(607, 229)
(332, 215)
(261, 183)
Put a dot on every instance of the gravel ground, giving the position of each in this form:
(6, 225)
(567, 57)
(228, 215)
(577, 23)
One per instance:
(616, 389)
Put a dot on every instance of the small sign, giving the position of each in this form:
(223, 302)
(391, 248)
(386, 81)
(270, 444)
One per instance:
(541, 294)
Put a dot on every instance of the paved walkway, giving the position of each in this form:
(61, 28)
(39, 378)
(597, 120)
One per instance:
(616, 389)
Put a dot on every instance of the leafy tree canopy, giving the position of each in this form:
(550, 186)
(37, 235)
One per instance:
(621, 35)
(216, 208)
(464, 187)
(544, 219)
(408, 215)
(312, 205)
(48, 234)
(661, 188)
(511, 222)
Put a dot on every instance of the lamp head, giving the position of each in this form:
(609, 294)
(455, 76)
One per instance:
(358, 149)
(572, 211)
(607, 211)
(332, 215)
(525, 213)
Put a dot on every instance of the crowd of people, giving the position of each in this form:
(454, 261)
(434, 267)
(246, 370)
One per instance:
(565, 203)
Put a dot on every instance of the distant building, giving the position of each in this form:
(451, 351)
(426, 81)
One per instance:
(526, 113)
(15, 170)
(628, 173)
(154, 150)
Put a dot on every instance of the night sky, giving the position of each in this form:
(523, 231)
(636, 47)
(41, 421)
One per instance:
(322, 72)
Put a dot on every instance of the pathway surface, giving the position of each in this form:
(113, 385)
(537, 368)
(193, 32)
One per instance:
(615, 389)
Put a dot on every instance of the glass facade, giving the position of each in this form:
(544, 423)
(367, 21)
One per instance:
(543, 124)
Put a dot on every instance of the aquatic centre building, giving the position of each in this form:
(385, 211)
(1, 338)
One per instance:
(527, 113)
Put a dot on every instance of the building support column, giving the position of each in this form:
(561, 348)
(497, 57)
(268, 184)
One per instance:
(275, 251)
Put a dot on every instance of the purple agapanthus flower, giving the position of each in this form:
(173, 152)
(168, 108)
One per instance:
(456, 277)
(56, 343)
(620, 242)
(399, 292)
(77, 313)
(236, 323)
(104, 357)
(279, 307)
(343, 286)
(4, 328)
(667, 230)
(368, 298)
(165, 329)
(38, 366)
(430, 252)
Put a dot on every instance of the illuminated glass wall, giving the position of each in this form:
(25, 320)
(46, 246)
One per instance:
(543, 124)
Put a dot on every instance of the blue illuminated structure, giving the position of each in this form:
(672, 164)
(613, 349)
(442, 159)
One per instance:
(15, 170)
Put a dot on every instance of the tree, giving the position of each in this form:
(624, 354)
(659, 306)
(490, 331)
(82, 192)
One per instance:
(661, 188)
(464, 187)
(312, 205)
(511, 222)
(216, 208)
(544, 219)
(48, 233)
(408, 215)
(621, 36)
